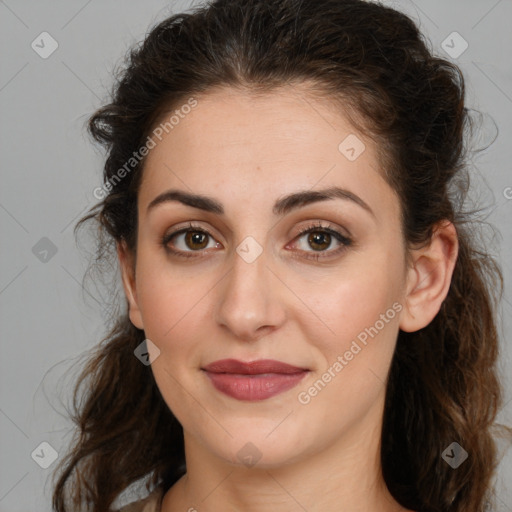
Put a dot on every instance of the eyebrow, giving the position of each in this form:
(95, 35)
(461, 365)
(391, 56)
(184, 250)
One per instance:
(281, 207)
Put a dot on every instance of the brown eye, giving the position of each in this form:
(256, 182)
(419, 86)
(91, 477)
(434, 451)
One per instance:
(319, 240)
(188, 241)
(196, 239)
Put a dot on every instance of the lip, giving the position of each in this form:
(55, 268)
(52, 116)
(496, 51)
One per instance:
(255, 380)
(259, 366)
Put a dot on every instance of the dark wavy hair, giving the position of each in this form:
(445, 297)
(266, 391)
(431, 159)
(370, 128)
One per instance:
(373, 62)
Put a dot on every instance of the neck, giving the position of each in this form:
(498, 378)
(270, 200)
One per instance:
(343, 476)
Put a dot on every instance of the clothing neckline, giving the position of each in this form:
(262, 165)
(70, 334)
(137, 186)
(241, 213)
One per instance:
(151, 503)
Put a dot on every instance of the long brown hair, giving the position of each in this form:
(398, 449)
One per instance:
(443, 385)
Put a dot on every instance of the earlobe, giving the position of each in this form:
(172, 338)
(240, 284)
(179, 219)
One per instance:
(429, 278)
(128, 278)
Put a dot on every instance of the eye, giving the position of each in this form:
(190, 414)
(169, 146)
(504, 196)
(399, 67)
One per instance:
(320, 238)
(191, 241)
(188, 240)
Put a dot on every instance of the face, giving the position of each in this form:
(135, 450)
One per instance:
(250, 275)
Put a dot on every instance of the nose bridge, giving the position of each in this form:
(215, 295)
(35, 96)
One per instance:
(248, 301)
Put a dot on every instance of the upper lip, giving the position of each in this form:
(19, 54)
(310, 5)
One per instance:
(251, 368)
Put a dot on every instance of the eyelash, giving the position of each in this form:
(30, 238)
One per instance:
(315, 227)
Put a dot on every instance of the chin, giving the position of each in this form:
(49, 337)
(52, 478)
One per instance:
(253, 447)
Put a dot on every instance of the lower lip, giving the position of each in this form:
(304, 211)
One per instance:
(254, 387)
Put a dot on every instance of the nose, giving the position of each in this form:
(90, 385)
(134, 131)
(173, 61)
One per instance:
(249, 302)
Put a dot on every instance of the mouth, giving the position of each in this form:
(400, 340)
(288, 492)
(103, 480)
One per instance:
(255, 380)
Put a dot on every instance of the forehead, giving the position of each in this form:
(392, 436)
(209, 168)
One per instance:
(238, 146)
(288, 121)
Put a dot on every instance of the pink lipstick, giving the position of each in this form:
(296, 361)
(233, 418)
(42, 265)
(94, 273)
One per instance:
(255, 380)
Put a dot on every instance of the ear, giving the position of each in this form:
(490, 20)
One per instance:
(127, 266)
(429, 278)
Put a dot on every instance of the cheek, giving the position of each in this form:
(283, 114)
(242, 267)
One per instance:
(352, 362)
(166, 298)
(175, 309)
(354, 353)
(174, 312)
(344, 306)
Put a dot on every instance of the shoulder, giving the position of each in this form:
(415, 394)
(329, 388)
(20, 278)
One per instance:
(151, 503)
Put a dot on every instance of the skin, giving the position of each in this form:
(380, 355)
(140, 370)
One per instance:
(247, 152)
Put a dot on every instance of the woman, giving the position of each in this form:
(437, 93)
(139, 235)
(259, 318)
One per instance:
(310, 324)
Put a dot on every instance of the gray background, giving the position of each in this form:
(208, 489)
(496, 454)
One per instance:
(50, 168)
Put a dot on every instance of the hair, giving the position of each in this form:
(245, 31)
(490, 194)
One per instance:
(374, 64)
